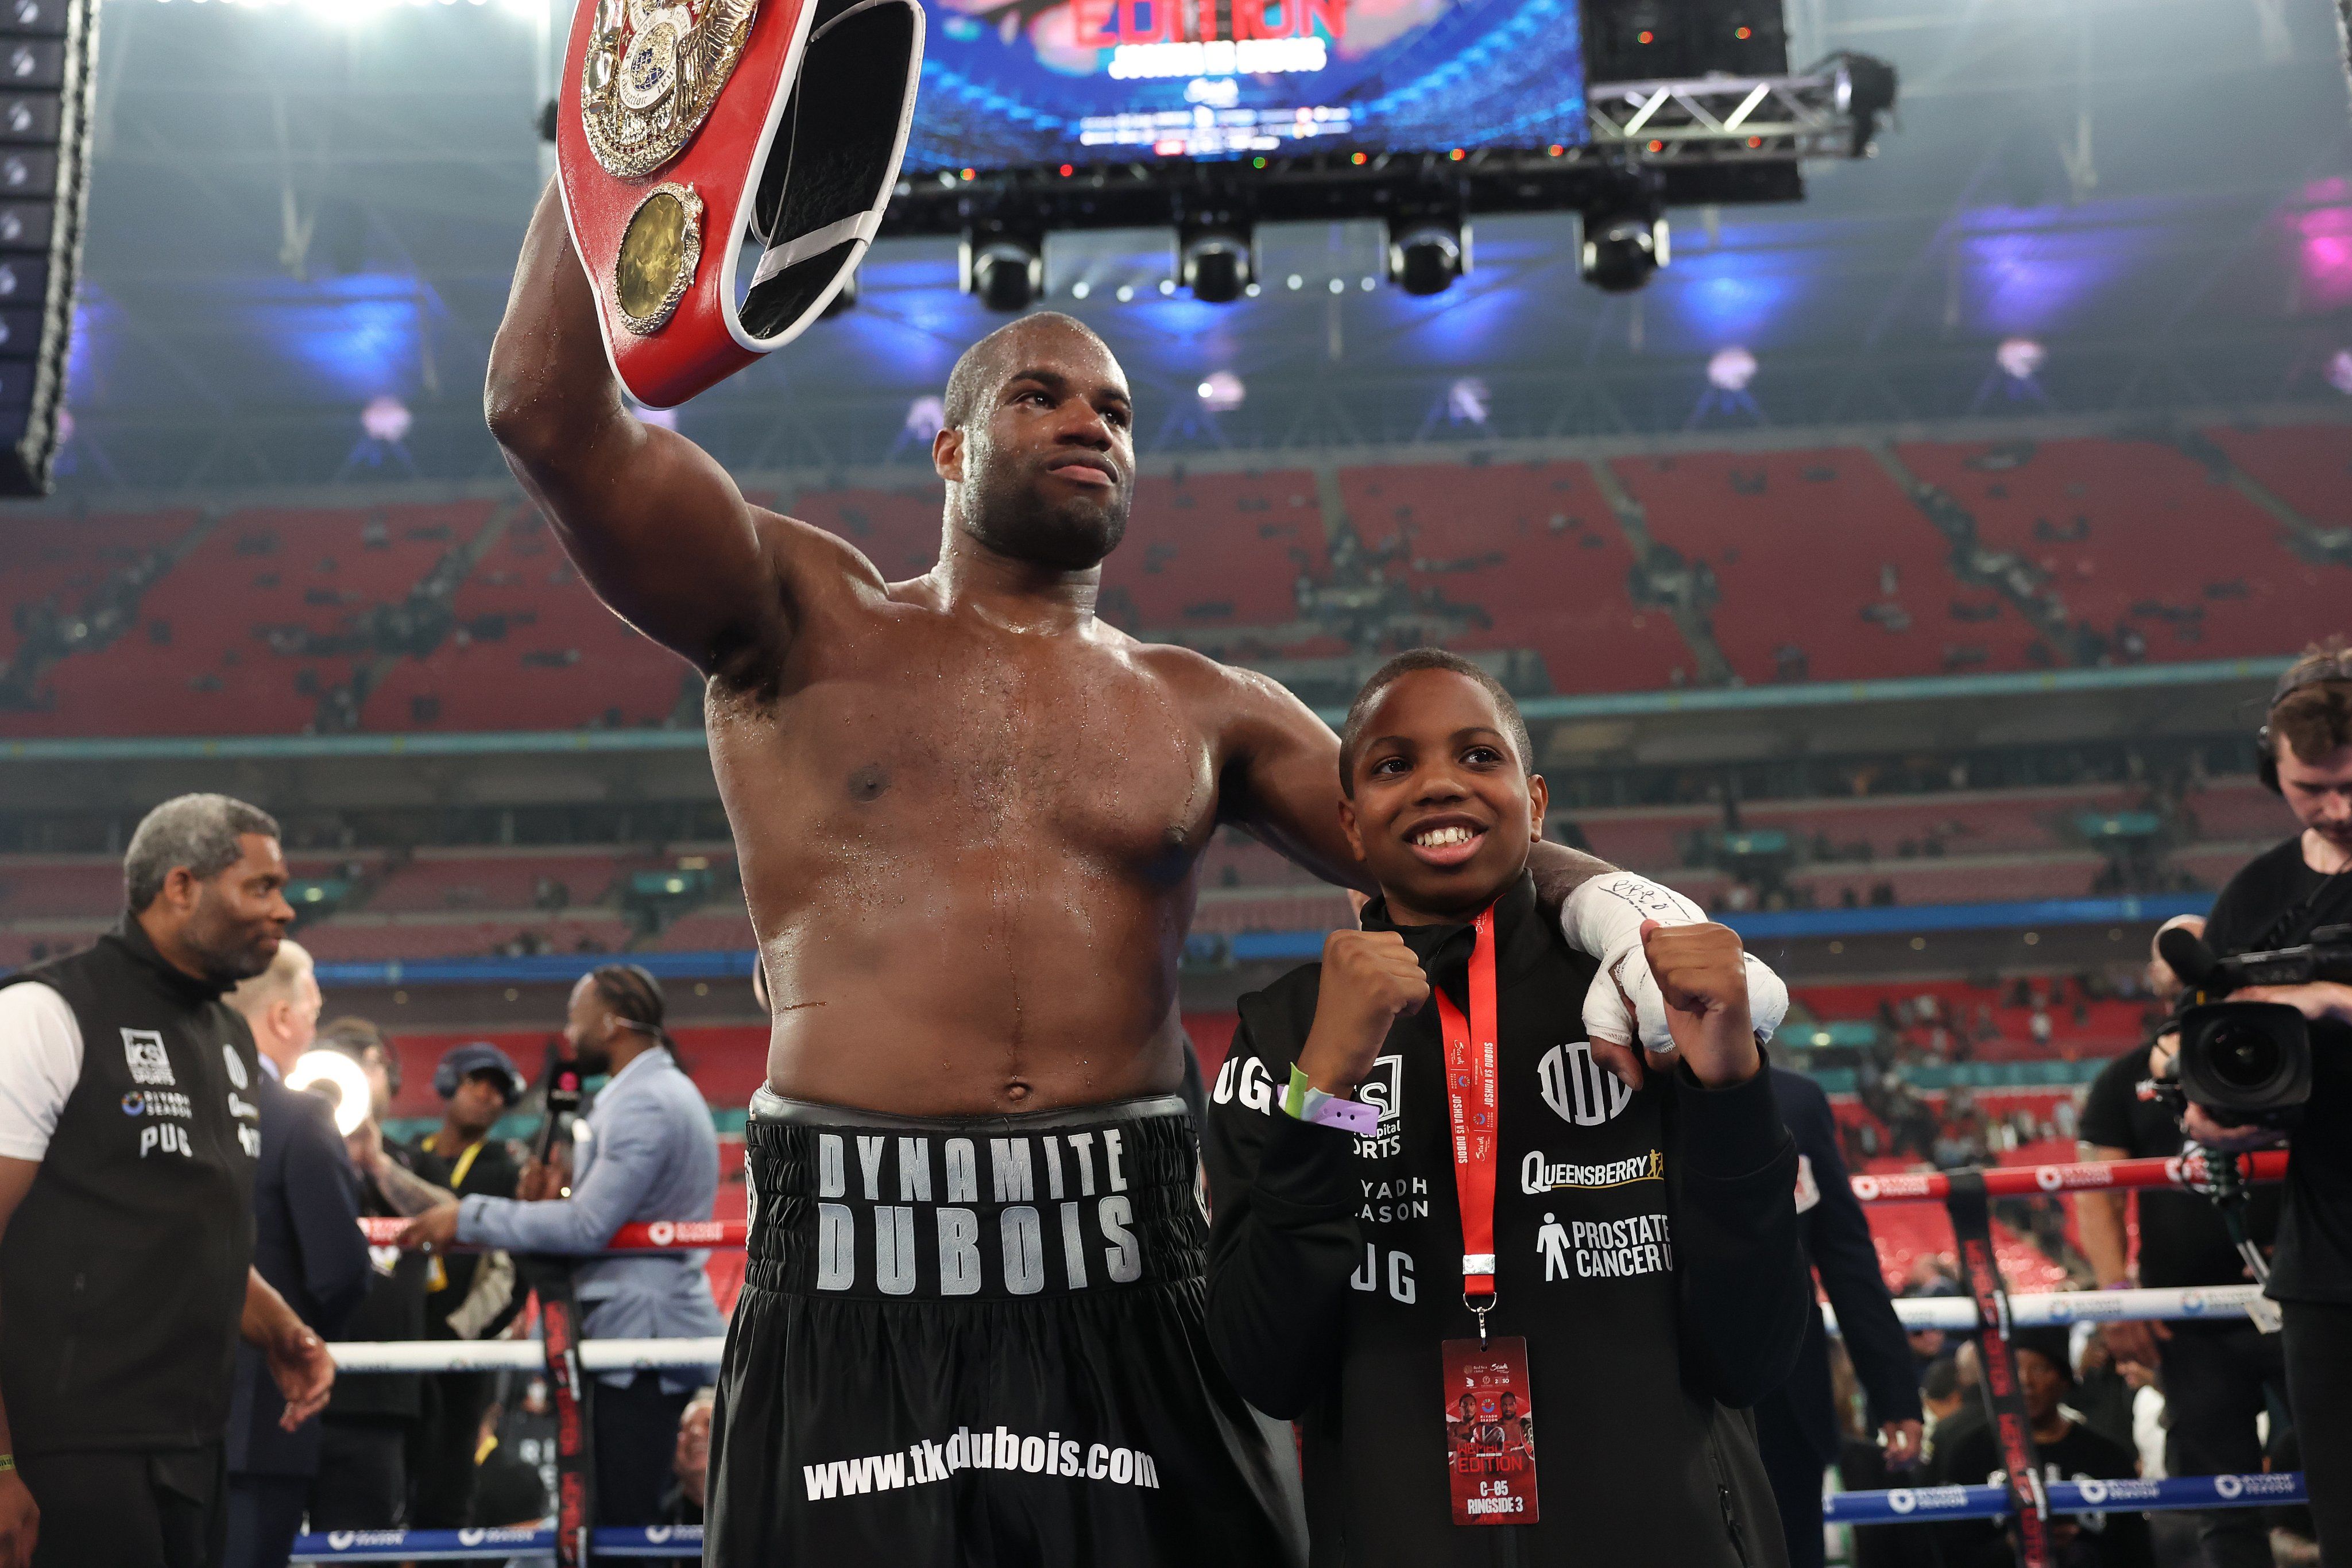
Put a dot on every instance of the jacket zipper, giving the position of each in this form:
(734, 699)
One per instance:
(1723, 1499)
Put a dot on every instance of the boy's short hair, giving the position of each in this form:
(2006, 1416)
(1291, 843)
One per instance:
(1406, 664)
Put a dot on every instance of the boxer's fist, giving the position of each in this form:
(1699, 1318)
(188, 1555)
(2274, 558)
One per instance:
(1702, 975)
(1369, 978)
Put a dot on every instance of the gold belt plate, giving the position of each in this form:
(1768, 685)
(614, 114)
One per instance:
(652, 70)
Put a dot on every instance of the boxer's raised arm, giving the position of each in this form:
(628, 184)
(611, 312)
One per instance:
(658, 529)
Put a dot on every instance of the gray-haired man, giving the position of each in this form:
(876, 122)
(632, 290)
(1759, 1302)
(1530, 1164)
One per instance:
(128, 1138)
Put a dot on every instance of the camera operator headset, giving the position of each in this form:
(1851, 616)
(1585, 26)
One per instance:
(2250, 1079)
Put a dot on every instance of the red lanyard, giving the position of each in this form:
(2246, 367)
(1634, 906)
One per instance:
(1472, 1091)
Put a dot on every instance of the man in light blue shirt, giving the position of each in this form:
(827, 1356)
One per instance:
(647, 1152)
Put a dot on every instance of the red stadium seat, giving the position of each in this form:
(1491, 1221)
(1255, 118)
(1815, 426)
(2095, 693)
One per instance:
(2137, 534)
(1535, 549)
(1826, 569)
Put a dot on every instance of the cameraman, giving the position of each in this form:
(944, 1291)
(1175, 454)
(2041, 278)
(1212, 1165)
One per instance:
(2277, 900)
(2215, 1373)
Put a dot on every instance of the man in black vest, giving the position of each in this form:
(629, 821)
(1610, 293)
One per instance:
(128, 1137)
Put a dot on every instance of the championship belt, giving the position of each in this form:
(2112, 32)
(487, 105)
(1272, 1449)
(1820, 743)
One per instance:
(687, 126)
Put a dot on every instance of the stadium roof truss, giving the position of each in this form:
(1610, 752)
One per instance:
(342, 212)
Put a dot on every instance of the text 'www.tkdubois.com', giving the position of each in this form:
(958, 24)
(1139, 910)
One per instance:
(1001, 1450)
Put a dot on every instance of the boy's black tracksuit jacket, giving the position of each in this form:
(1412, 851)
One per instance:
(1645, 1246)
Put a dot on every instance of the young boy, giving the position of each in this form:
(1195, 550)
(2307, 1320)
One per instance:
(1429, 1249)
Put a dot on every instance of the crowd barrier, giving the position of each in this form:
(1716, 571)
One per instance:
(1988, 1305)
(1929, 1505)
(487, 1546)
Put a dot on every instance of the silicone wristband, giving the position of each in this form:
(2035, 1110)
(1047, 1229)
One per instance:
(1305, 1102)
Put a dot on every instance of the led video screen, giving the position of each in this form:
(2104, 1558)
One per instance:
(1027, 83)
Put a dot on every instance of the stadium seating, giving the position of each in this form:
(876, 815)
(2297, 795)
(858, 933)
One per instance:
(1826, 570)
(1966, 1012)
(1822, 568)
(1535, 548)
(1211, 551)
(2307, 466)
(467, 878)
(58, 563)
(306, 585)
(532, 648)
(2138, 535)
(1962, 821)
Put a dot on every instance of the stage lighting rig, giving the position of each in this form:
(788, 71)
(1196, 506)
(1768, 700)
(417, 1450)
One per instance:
(1426, 256)
(1865, 94)
(1624, 238)
(1216, 264)
(1006, 268)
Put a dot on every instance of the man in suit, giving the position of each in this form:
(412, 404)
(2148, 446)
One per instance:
(1795, 1429)
(652, 1155)
(307, 1243)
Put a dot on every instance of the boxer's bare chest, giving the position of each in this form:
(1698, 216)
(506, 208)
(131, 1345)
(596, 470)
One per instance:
(985, 759)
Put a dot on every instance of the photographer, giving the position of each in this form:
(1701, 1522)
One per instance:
(2278, 900)
(2215, 1373)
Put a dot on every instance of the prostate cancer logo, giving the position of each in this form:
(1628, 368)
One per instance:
(2094, 1492)
(2228, 1486)
(1902, 1500)
(659, 1233)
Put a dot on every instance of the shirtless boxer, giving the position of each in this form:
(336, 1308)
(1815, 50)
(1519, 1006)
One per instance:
(968, 816)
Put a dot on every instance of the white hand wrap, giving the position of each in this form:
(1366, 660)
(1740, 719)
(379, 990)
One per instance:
(1603, 917)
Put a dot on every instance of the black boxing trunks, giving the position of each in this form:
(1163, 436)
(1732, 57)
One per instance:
(980, 1342)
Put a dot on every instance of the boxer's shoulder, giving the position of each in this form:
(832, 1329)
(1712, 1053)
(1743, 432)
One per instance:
(810, 560)
(1225, 696)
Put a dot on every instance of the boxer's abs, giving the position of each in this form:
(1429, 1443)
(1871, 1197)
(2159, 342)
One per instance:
(983, 919)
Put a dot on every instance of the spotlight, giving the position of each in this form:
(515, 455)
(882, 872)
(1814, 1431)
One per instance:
(1216, 265)
(925, 416)
(1006, 272)
(1465, 401)
(2339, 372)
(387, 419)
(1081, 288)
(1427, 258)
(339, 1080)
(1221, 391)
(1624, 244)
(1865, 89)
(2019, 357)
(1731, 368)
